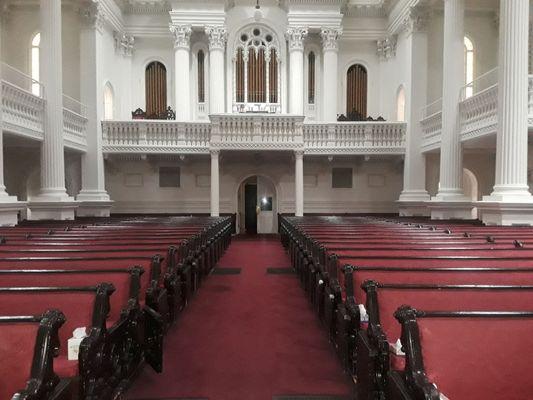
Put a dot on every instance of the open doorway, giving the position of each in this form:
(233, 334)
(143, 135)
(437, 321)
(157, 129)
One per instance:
(257, 206)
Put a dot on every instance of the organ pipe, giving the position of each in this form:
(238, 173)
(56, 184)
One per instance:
(156, 90)
(356, 96)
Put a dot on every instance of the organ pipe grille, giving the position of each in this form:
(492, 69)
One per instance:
(356, 86)
(201, 77)
(156, 89)
(311, 79)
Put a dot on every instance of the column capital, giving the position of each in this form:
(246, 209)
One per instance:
(124, 44)
(92, 14)
(295, 35)
(214, 153)
(182, 36)
(387, 47)
(299, 153)
(416, 19)
(330, 38)
(217, 35)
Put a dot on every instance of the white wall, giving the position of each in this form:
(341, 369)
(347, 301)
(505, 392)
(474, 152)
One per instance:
(377, 183)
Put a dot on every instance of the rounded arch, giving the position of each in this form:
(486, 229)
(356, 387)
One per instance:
(34, 64)
(400, 103)
(109, 101)
(275, 185)
(356, 91)
(471, 188)
(469, 55)
(155, 77)
(200, 109)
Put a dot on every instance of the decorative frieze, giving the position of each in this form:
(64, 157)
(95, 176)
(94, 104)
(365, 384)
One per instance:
(296, 36)
(124, 44)
(330, 38)
(386, 47)
(217, 36)
(182, 35)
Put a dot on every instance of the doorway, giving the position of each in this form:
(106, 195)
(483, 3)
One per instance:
(257, 206)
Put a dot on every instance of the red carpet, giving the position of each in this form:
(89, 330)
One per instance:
(246, 337)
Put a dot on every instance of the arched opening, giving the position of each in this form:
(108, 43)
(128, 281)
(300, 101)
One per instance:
(471, 188)
(356, 93)
(257, 207)
(469, 67)
(311, 78)
(109, 98)
(156, 90)
(256, 71)
(400, 104)
(35, 64)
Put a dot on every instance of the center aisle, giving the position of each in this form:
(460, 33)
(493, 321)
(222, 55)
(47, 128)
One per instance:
(249, 336)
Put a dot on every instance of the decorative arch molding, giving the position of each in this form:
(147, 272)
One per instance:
(279, 33)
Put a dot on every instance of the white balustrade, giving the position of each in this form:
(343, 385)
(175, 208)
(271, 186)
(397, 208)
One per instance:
(479, 113)
(75, 130)
(22, 111)
(262, 132)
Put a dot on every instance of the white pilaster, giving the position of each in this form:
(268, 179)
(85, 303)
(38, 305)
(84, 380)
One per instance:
(295, 36)
(299, 183)
(52, 201)
(182, 55)
(93, 198)
(330, 48)
(217, 36)
(414, 195)
(511, 202)
(450, 202)
(215, 184)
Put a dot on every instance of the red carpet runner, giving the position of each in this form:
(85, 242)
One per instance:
(246, 337)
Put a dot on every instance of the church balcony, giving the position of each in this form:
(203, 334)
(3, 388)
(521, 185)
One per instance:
(253, 132)
(478, 112)
(23, 101)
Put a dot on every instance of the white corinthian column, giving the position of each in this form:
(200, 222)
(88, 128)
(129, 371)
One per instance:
(217, 36)
(295, 36)
(450, 202)
(330, 48)
(299, 183)
(511, 202)
(182, 55)
(52, 201)
(215, 184)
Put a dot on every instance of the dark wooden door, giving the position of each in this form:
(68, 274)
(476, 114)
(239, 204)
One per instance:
(250, 204)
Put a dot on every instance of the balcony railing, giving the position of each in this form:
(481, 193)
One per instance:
(253, 132)
(23, 104)
(478, 113)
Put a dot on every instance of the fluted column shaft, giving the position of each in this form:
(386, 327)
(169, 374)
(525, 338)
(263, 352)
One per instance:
(52, 156)
(217, 36)
(512, 136)
(330, 47)
(299, 183)
(2, 185)
(182, 87)
(451, 163)
(414, 182)
(215, 184)
(295, 37)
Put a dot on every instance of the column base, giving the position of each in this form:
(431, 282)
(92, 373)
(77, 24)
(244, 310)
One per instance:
(93, 204)
(498, 209)
(413, 204)
(10, 208)
(52, 205)
(451, 209)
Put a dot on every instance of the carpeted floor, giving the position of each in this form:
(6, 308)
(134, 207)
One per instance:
(247, 336)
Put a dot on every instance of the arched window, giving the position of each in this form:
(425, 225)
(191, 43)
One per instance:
(109, 96)
(356, 90)
(201, 76)
(35, 66)
(311, 78)
(256, 71)
(469, 67)
(400, 105)
(156, 90)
